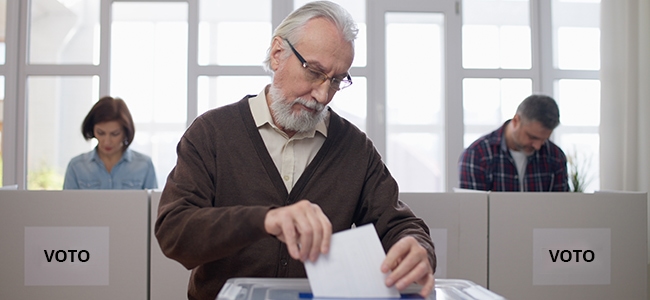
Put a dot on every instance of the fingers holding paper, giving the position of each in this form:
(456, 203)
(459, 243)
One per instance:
(303, 227)
(408, 262)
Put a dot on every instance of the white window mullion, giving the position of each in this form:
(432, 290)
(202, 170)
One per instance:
(454, 129)
(13, 156)
(544, 46)
(192, 60)
(376, 108)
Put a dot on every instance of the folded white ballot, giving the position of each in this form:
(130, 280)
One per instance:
(351, 268)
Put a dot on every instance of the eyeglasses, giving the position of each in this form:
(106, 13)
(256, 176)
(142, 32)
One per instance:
(319, 76)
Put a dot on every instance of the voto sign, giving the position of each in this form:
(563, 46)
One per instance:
(571, 256)
(66, 256)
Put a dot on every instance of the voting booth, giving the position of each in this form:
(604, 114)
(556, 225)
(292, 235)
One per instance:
(568, 245)
(73, 244)
(458, 227)
(169, 279)
(100, 245)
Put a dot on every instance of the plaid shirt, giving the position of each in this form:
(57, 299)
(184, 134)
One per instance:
(487, 165)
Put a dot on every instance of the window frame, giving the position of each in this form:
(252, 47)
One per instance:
(542, 73)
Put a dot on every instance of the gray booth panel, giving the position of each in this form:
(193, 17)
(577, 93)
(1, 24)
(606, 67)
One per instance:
(465, 255)
(29, 219)
(535, 239)
(169, 278)
(458, 224)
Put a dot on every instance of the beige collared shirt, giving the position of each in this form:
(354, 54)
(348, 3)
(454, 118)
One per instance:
(291, 155)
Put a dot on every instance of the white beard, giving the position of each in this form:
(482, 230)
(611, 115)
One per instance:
(300, 121)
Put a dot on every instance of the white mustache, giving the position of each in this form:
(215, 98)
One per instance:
(315, 105)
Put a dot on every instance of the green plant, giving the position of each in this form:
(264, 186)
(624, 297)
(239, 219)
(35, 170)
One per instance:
(579, 177)
(44, 178)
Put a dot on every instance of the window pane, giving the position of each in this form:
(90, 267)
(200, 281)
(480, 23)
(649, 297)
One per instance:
(415, 93)
(480, 47)
(357, 8)
(218, 91)
(582, 151)
(496, 34)
(234, 32)
(481, 101)
(513, 91)
(515, 48)
(489, 102)
(414, 68)
(576, 29)
(56, 109)
(579, 102)
(350, 103)
(469, 138)
(3, 51)
(415, 160)
(64, 32)
(577, 135)
(149, 71)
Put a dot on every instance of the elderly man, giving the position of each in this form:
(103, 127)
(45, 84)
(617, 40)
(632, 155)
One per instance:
(260, 185)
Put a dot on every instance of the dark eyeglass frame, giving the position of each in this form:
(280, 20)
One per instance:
(335, 83)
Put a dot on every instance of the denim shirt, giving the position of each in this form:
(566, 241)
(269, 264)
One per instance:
(134, 171)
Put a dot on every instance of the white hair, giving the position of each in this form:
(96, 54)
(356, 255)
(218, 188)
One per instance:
(291, 27)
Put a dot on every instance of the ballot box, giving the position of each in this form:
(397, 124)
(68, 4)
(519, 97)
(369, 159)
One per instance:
(298, 288)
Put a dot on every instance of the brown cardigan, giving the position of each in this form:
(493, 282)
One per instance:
(212, 209)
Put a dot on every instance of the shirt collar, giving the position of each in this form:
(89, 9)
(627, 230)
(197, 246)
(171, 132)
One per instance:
(502, 137)
(504, 146)
(262, 115)
(126, 156)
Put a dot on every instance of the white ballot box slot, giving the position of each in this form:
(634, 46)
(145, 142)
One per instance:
(299, 289)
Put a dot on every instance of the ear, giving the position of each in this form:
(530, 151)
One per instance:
(277, 46)
(516, 120)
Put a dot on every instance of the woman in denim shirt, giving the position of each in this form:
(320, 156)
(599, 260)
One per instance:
(111, 165)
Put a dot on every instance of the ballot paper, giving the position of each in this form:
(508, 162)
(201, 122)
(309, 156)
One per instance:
(351, 268)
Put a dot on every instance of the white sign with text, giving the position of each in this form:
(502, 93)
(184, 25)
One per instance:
(571, 256)
(66, 256)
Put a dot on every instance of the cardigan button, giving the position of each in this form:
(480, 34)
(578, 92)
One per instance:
(284, 262)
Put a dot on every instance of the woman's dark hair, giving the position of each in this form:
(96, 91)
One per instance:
(105, 110)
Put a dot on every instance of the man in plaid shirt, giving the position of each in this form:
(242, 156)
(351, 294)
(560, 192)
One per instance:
(518, 156)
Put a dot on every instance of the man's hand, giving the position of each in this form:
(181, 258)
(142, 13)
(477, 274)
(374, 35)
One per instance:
(408, 262)
(303, 227)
